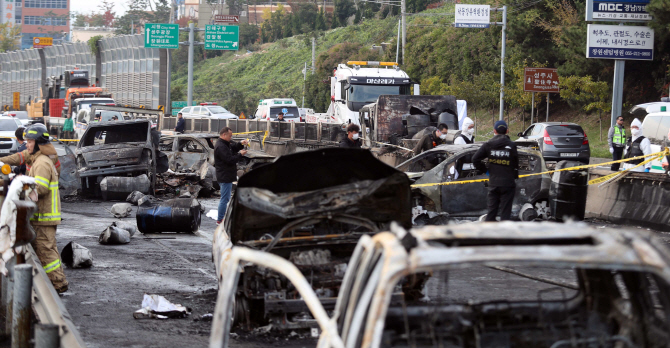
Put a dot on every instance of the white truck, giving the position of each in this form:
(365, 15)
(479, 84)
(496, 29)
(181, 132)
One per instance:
(354, 86)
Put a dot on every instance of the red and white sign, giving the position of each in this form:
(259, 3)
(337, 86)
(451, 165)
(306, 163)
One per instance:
(226, 19)
(543, 80)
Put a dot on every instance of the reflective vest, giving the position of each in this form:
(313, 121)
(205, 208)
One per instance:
(619, 136)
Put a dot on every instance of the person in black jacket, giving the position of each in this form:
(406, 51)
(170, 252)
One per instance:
(226, 155)
(181, 123)
(504, 170)
(352, 141)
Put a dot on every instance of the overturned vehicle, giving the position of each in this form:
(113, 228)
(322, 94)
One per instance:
(312, 218)
(535, 195)
(483, 285)
(116, 158)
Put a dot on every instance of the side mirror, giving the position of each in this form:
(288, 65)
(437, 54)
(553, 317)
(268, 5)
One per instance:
(520, 134)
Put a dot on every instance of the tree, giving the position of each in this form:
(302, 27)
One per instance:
(8, 34)
(53, 20)
(80, 20)
(320, 22)
(343, 10)
(248, 34)
(108, 14)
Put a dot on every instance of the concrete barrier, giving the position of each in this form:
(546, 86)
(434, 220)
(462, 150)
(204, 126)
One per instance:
(640, 199)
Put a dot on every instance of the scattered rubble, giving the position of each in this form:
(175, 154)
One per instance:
(114, 235)
(76, 256)
(121, 210)
(157, 307)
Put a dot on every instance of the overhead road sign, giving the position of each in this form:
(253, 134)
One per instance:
(222, 37)
(161, 35)
(620, 42)
(226, 19)
(41, 42)
(617, 10)
(544, 80)
(472, 16)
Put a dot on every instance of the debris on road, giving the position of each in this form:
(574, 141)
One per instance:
(121, 210)
(76, 256)
(174, 215)
(125, 226)
(134, 196)
(117, 187)
(213, 214)
(157, 307)
(114, 235)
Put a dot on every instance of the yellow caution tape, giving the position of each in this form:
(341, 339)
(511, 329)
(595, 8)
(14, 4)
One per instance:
(586, 166)
(250, 132)
(623, 172)
(400, 147)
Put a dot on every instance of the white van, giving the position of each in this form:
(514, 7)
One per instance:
(655, 128)
(270, 108)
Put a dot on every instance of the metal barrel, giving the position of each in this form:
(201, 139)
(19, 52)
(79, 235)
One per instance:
(567, 193)
(174, 215)
(119, 187)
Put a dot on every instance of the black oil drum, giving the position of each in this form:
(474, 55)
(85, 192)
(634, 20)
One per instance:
(567, 193)
(174, 215)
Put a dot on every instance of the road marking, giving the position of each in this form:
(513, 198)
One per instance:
(205, 272)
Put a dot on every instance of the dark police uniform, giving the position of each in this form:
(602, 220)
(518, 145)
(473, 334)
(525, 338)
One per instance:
(504, 170)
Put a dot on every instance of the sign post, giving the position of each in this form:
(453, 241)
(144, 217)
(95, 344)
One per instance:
(161, 35)
(543, 80)
(222, 37)
(16, 101)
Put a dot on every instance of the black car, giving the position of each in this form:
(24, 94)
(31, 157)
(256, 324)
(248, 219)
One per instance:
(558, 141)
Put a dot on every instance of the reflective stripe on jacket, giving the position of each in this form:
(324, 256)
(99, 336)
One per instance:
(48, 202)
(619, 137)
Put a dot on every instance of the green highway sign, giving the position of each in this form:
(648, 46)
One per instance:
(222, 37)
(180, 104)
(160, 35)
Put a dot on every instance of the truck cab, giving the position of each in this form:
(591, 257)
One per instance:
(353, 87)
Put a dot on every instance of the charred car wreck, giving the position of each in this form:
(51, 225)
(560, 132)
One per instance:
(543, 285)
(453, 163)
(118, 157)
(313, 218)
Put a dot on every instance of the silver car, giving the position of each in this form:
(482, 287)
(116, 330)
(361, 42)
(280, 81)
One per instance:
(211, 111)
(8, 125)
(558, 141)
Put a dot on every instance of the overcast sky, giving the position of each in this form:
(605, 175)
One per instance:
(88, 6)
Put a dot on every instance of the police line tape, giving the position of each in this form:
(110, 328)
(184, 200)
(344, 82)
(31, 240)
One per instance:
(657, 155)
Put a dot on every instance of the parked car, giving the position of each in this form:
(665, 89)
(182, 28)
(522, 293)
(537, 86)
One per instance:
(314, 220)
(477, 285)
(20, 115)
(190, 152)
(8, 126)
(558, 141)
(207, 110)
(452, 163)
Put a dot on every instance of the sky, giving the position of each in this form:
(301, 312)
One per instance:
(88, 6)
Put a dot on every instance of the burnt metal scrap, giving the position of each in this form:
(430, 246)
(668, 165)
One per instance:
(313, 218)
(414, 288)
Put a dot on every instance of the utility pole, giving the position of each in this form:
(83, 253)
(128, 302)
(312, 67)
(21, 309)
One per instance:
(502, 62)
(397, 46)
(313, 55)
(191, 38)
(403, 18)
(168, 104)
(304, 81)
(617, 88)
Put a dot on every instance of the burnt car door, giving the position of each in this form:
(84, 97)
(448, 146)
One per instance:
(190, 154)
(467, 199)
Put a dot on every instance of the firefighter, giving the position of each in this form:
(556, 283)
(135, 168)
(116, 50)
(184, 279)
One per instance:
(504, 168)
(39, 160)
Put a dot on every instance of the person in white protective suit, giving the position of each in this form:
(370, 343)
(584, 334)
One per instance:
(467, 132)
(637, 145)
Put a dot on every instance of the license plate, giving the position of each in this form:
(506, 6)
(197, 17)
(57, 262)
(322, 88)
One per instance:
(569, 154)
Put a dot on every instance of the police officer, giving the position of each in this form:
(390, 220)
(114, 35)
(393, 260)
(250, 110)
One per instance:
(616, 138)
(467, 133)
(638, 145)
(38, 158)
(503, 168)
(181, 123)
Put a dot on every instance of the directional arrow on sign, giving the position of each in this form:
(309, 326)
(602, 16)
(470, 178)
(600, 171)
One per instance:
(234, 44)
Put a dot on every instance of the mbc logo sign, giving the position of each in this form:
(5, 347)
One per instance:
(610, 7)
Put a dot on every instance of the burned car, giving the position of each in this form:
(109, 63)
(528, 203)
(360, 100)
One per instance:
(312, 218)
(115, 158)
(510, 284)
(194, 153)
(453, 163)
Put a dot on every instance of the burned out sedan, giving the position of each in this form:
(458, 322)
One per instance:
(483, 285)
(194, 152)
(311, 218)
(453, 163)
(122, 153)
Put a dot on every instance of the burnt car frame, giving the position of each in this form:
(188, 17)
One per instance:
(125, 150)
(452, 163)
(615, 289)
(190, 152)
(313, 218)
